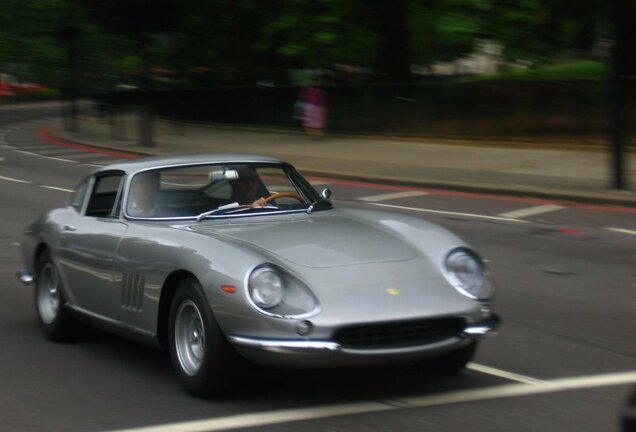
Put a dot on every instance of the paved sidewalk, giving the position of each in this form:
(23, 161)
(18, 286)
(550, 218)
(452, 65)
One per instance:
(558, 174)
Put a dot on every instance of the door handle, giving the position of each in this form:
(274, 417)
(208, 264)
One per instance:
(69, 228)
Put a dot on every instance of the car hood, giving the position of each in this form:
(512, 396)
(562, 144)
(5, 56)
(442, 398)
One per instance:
(323, 241)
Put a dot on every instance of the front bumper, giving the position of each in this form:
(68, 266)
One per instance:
(305, 352)
(25, 277)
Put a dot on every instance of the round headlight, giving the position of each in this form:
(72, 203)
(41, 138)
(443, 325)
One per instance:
(275, 292)
(266, 288)
(465, 271)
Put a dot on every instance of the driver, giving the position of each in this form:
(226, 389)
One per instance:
(248, 189)
(143, 194)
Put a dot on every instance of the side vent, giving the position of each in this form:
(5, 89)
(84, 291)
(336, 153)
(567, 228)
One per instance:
(132, 293)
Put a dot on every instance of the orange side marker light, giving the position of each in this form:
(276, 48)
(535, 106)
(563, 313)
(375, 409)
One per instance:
(230, 289)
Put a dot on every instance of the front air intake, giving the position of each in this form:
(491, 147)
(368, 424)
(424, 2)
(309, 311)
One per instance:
(399, 334)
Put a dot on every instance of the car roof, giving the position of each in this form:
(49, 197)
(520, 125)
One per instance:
(135, 165)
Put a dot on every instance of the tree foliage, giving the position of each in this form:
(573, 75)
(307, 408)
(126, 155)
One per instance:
(29, 37)
(243, 41)
(388, 36)
(540, 29)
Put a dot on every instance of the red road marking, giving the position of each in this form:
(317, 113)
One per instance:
(46, 133)
(572, 231)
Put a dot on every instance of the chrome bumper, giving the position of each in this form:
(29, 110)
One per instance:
(479, 330)
(25, 277)
(483, 329)
(286, 346)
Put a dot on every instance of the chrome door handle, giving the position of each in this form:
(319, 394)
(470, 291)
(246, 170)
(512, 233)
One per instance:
(69, 228)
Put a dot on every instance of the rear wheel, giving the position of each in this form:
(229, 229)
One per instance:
(201, 355)
(55, 319)
(450, 363)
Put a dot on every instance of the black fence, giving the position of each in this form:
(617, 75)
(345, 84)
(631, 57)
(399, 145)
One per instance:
(499, 110)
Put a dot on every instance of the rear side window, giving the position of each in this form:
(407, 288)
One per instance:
(105, 196)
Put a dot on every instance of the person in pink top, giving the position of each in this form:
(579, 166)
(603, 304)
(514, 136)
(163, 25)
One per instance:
(313, 99)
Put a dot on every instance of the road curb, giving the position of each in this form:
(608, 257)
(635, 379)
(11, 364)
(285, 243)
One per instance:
(55, 131)
(518, 143)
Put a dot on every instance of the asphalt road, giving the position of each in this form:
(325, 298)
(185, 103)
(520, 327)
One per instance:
(567, 294)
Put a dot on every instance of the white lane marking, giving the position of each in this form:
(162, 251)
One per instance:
(45, 157)
(35, 147)
(267, 418)
(531, 211)
(14, 180)
(57, 188)
(502, 373)
(622, 231)
(78, 155)
(1, 159)
(393, 195)
(52, 151)
(93, 165)
(514, 390)
(450, 213)
(460, 396)
(26, 152)
(111, 161)
(59, 159)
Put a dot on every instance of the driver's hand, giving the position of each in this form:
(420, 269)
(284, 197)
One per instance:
(259, 202)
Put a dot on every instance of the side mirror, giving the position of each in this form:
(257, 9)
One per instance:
(326, 194)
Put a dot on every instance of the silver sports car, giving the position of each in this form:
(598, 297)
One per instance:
(218, 257)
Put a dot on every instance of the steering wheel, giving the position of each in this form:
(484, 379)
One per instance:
(277, 195)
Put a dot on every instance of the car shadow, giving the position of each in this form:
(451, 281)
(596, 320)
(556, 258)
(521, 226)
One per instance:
(264, 388)
(273, 388)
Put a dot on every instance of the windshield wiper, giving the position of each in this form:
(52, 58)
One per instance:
(219, 209)
(232, 208)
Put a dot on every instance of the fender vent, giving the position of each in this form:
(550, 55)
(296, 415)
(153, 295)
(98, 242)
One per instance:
(399, 334)
(132, 293)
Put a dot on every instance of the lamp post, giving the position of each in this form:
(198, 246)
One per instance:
(617, 88)
(69, 37)
(139, 19)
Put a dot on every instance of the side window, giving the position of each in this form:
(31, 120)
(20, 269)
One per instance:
(77, 198)
(104, 198)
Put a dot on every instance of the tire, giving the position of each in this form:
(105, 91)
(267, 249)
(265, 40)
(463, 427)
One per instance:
(201, 355)
(450, 363)
(55, 319)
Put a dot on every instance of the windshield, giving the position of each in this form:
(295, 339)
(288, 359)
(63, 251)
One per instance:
(218, 190)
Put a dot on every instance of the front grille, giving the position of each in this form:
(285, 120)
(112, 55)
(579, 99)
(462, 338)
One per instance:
(399, 334)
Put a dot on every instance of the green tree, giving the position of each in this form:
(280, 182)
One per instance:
(542, 29)
(387, 36)
(29, 39)
(242, 41)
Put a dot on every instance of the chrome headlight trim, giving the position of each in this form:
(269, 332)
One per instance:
(265, 288)
(297, 300)
(466, 272)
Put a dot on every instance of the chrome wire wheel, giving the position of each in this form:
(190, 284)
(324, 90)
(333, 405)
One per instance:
(200, 354)
(189, 337)
(48, 297)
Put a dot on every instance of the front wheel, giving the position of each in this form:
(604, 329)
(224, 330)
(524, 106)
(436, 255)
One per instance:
(55, 319)
(201, 355)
